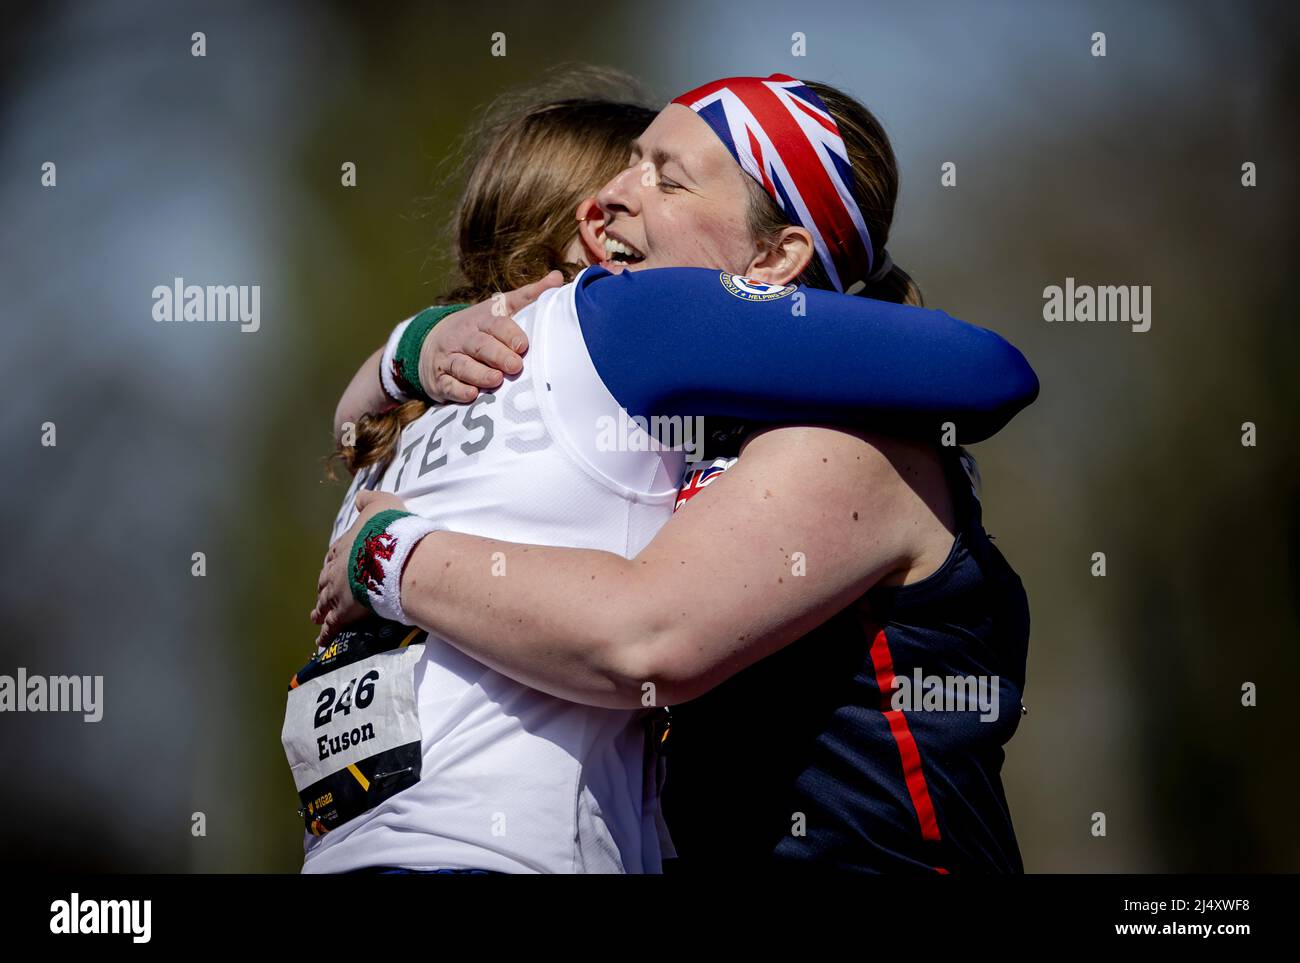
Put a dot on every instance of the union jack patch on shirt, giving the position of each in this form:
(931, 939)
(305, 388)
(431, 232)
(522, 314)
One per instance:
(696, 478)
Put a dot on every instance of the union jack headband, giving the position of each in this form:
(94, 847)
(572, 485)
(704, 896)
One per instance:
(782, 135)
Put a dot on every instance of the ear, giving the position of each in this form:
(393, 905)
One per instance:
(784, 259)
(591, 230)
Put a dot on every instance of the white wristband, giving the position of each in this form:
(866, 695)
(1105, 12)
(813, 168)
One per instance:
(386, 359)
(379, 556)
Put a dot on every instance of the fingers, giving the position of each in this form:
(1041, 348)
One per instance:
(483, 362)
(323, 606)
(323, 579)
(453, 391)
(471, 370)
(367, 501)
(522, 297)
(509, 337)
(330, 627)
(326, 615)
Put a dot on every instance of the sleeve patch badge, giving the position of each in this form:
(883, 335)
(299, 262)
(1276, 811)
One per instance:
(748, 289)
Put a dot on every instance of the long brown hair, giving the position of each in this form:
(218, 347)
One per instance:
(875, 188)
(533, 159)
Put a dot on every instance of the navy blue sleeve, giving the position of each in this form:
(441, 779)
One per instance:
(694, 341)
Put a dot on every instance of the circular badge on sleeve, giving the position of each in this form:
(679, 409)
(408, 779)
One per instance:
(747, 289)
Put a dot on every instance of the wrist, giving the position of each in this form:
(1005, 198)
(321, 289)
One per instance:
(393, 390)
(400, 365)
(417, 589)
(378, 559)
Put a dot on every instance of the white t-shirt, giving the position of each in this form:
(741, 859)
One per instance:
(513, 779)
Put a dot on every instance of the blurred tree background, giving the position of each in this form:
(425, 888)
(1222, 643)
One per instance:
(225, 169)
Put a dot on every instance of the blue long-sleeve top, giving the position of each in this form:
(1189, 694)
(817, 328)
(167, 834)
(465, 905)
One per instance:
(694, 341)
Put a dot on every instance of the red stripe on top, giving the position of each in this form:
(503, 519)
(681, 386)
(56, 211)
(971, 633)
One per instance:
(702, 91)
(883, 662)
(757, 150)
(828, 124)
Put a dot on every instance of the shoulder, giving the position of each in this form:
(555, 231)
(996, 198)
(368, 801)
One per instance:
(895, 479)
(867, 454)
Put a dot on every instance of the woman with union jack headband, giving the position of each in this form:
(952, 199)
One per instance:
(778, 607)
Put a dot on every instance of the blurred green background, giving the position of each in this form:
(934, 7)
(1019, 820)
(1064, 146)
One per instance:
(225, 169)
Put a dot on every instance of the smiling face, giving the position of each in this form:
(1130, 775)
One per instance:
(683, 201)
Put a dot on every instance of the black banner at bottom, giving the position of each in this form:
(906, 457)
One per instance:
(609, 915)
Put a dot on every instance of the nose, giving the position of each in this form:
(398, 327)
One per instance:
(620, 195)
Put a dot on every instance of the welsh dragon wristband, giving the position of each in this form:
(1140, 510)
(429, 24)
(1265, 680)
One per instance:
(399, 364)
(379, 554)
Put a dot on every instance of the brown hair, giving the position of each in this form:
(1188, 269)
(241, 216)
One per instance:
(875, 188)
(532, 160)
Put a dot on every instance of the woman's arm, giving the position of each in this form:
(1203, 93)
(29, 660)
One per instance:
(363, 395)
(799, 528)
(679, 341)
(691, 341)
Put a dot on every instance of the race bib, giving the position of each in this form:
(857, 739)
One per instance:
(351, 728)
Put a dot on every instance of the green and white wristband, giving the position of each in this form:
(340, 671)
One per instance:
(379, 555)
(399, 364)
